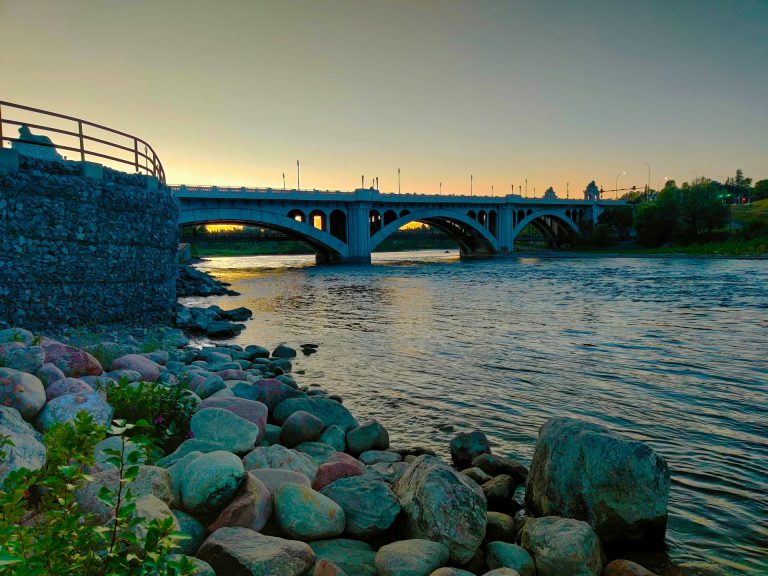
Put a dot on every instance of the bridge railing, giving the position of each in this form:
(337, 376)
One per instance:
(214, 189)
(78, 135)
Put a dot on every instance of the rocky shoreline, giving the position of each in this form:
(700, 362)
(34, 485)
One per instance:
(271, 477)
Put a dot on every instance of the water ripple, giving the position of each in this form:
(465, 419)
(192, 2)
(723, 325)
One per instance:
(669, 351)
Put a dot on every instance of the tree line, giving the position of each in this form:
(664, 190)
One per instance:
(698, 211)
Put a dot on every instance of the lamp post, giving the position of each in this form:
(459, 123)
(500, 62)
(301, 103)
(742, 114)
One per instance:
(398, 180)
(441, 187)
(492, 190)
(567, 190)
(283, 181)
(298, 176)
(616, 189)
(471, 184)
(526, 187)
(648, 185)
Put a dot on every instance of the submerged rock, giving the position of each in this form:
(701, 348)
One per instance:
(465, 447)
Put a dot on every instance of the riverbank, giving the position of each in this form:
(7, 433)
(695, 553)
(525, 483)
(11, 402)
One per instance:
(257, 469)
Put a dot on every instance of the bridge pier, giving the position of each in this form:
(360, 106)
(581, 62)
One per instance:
(359, 238)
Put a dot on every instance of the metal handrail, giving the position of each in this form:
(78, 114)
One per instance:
(151, 163)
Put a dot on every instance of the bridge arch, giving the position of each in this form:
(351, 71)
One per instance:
(327, 247)
(473, 239)
(555, 225)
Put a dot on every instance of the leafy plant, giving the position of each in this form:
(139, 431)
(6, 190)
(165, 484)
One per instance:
(43, 531)
(167, 409)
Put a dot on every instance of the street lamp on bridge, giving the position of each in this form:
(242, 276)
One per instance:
(616, 189)
(471, 184)
(298, 176)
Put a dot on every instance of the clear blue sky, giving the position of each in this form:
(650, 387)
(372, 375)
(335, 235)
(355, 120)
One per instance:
(557, 91)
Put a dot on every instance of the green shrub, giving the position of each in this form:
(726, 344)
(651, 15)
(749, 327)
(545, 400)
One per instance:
(43, 531)
(167, 409)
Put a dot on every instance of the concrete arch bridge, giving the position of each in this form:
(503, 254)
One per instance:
(348, 226)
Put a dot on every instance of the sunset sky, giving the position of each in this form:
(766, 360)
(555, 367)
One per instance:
(234, 92)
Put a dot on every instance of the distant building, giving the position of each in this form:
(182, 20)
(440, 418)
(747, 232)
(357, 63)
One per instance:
(34, 145)
(550, 194)
(592, 192)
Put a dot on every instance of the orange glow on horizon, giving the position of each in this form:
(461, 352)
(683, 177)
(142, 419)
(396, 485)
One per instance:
(223, 227)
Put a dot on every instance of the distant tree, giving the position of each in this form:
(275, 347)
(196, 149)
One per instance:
(618, 219)
(657, 222)
(701, 209)
(760, 190)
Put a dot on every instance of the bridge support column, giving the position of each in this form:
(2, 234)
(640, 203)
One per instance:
(504, 229)
(359, 236)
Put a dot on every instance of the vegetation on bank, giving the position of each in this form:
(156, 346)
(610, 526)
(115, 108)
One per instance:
(44, 531)
(697, 218)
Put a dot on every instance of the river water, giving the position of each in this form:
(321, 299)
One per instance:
(671, 351)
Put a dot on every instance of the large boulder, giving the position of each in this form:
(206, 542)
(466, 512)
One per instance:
(282, 458)
(355, 557)
(273, 478)
(48, 374)
(65, 409)
(369, 505)
(188, 446)
(150, 480)
(27, 451)
(22, 357)
(192, 528)
(67, 386)
(21, 391)
(367, 436)
(149, 370)
(467, 446)
(149, 508)
(584, 471)
(562, 546)
(300, 427)
(443, 505)
(411, 558)
(72, 361)
(250, 508)
(210, 482)
(16, 335)
(269, 392)
(505, 555)
(251, 410)
(329, 411)
(243, 552)
(307, 515)
(236, 434)
(336, 469)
